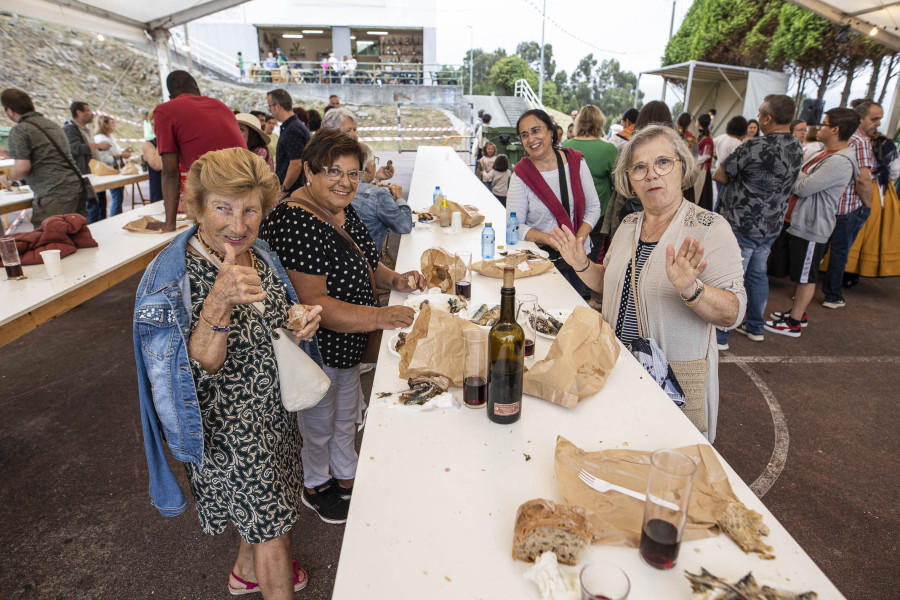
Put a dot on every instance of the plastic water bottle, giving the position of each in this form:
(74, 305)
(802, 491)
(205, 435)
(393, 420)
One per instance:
(487, 241)
(512, 230)
(437, 193)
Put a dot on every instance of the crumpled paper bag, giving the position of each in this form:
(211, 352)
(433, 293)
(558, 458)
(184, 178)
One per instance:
(441, 269)
(469, 214)
(616, 517)
(524, 268)
(140, 225)
(99, 168)
(435, 345)
(130, 169)
(579, 361)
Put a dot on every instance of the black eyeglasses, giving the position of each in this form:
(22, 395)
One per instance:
(662, 165)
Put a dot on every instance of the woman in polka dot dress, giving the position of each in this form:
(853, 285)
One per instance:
(331, 260)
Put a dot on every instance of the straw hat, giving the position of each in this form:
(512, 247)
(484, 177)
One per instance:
(253, 123)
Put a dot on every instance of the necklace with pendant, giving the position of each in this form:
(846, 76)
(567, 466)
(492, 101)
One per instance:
(218, 255)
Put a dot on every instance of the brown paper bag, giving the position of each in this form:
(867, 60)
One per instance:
(468, 213)
(617, 517)
(441, 269)
(435, 345)
(130, 169)
(524, 268)
(100, 168)
(579, 361)
(140, 225)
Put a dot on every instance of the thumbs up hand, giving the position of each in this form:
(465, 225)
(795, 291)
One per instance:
(236, 284)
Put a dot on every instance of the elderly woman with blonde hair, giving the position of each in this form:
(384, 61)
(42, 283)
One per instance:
(673, 271)
(204, 319)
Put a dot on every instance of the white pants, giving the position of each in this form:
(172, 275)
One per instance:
(329, 430)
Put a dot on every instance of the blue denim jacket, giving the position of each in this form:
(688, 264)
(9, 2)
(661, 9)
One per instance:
(380, 213)
(168, 398)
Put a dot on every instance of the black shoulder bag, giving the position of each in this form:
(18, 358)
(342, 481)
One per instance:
(89, 193)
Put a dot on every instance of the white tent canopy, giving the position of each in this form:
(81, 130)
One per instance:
(134, 21)
(730, 90)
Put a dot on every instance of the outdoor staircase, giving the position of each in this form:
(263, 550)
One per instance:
(513, 107)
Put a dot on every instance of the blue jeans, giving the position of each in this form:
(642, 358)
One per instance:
(755, 255)
(97, 210)
(846, 228)
(115, 206)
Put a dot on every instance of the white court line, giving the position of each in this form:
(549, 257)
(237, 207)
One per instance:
(778, 459)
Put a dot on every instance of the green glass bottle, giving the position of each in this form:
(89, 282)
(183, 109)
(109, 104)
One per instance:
(507, 356)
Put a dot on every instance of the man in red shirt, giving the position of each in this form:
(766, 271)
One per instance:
(187, 127)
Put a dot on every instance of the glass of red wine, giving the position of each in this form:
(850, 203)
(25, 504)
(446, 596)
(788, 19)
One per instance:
(475, 367)
(526, 309)
(9, 254)
(665, 511)
(463, 274)
(603, 581)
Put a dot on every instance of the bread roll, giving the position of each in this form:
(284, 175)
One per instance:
(297, 317)
(544, 526)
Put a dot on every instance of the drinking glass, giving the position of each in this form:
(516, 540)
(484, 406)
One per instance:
(463, 277)
(603, 581)
(475, 367)
(665, 511)
(9, 254)
(526, 309)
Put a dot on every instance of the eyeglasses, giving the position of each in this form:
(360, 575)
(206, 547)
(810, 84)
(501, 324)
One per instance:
(337, 173)
(271, 106)
(524, 135)
(662, 165)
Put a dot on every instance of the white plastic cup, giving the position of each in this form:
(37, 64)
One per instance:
(456, 222)
(53, 262)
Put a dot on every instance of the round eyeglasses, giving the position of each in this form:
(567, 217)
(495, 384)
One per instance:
(337, 173)
(662, 166)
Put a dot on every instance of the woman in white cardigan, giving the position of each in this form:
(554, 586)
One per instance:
(689, 275)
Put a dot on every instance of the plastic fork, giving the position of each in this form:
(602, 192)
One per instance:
(603, 486)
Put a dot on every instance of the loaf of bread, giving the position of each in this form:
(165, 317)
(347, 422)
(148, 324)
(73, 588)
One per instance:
(544, 526)
(746, 528)
(297, 317)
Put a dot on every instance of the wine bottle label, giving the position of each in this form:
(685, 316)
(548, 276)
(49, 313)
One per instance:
(505, 410)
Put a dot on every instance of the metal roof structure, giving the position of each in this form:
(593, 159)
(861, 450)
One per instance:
(862, 16)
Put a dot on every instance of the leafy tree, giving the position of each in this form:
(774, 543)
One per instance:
(507, 71)
(484, 62)
(531, 52)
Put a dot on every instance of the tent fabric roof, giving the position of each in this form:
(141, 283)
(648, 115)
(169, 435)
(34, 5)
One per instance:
(702, 71)
(127, 20)
(861, 15)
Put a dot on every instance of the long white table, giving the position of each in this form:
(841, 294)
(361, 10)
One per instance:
(12, 202)
(436, 493)
(27, 304)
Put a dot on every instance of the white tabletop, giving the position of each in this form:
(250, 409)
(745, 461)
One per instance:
(117, 247)
(436, 493)
(6, 163)
(100, 183)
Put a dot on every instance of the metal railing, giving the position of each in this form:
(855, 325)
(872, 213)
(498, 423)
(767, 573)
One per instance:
(523, 90)
(462, 144)
(370, 73)
(203, 53)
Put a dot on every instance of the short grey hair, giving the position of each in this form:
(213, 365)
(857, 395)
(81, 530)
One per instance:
(334, 118)
(689, 169)
(370, 154)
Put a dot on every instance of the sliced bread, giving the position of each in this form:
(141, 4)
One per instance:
(544, 526)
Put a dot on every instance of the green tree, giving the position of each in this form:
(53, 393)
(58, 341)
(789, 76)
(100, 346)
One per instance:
(507, 71)
(531, 52)
(484, 62)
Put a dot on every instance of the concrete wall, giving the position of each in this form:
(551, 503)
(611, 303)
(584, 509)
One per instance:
(376, 95)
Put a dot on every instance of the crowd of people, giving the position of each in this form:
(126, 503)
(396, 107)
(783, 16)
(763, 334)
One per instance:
(301, 218)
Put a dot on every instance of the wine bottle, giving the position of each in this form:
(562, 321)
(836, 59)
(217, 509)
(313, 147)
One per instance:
(507, 355)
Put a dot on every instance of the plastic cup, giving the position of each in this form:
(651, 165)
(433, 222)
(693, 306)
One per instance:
(526, 310)
(463, 280)
(665, 511)
(9, 254)
(475, 368)
(52, 262)
(604, 581)
(456, 222)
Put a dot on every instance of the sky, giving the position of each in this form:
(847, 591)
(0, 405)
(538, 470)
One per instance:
(634, 32)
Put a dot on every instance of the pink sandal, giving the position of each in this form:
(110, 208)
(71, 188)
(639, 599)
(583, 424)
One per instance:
(300, 581)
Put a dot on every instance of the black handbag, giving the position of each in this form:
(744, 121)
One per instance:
(89, 194)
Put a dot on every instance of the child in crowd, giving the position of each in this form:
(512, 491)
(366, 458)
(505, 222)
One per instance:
(486, 163)
(500, 178)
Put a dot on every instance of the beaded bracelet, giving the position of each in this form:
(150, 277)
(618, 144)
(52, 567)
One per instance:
(698, 294)
(215, 328)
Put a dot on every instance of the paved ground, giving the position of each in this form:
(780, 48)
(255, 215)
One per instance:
(77, 523)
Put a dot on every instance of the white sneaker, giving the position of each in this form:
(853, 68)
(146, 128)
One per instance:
(833, 304)
(722, 346)
(753, 337)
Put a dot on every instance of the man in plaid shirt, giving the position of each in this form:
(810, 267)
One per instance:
(855, 204)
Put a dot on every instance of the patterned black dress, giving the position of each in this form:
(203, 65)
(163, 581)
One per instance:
(252, 474)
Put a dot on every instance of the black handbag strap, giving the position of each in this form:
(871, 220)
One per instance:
(563, 186)
(65, 156)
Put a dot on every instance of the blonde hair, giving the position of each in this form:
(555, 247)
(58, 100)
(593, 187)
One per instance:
(102, 123)
(589, 122)
(233, 172)
(689, 169)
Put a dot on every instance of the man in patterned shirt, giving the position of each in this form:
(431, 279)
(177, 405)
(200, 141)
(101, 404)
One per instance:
(758, 178)
(855, 204)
